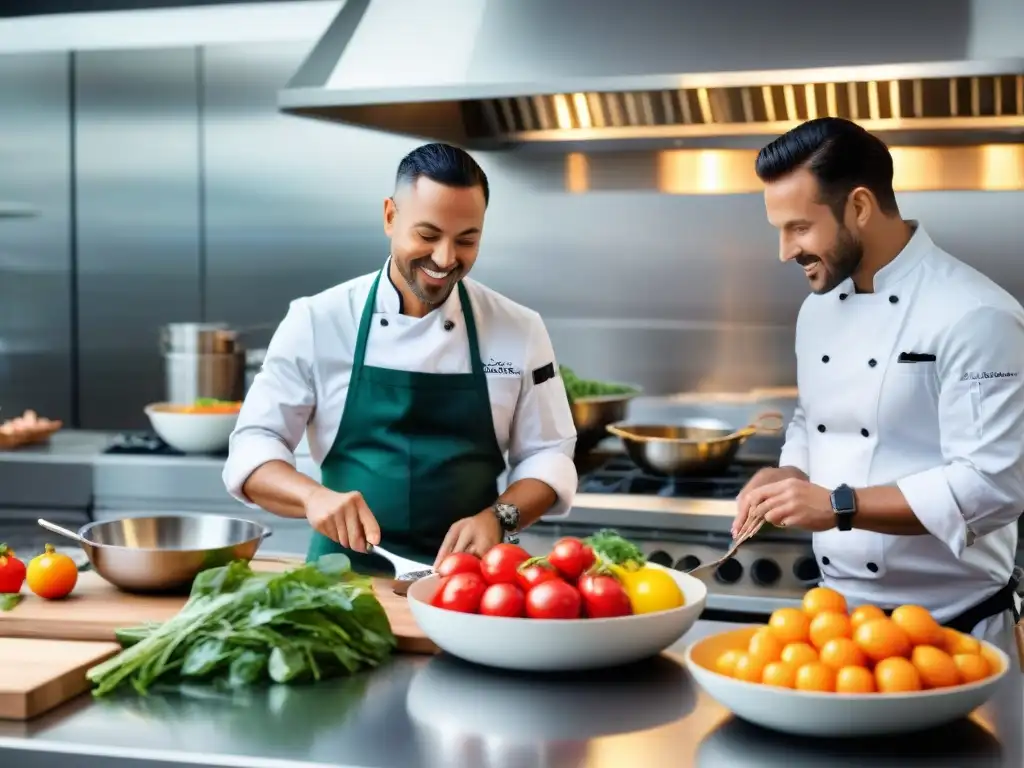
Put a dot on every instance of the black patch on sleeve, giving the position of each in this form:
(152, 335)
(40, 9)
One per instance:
(542, 374)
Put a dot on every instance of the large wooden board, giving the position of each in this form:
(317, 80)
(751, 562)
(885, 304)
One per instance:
(96, 609)
(38, 675)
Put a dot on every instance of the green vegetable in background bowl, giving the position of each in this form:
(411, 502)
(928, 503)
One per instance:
(577, 388)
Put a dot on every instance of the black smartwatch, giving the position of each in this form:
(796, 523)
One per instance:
(508, 516)
(844, 504)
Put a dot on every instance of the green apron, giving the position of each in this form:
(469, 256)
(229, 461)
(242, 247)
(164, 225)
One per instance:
(420, 447)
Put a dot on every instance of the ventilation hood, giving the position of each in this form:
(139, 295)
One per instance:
(492, 74)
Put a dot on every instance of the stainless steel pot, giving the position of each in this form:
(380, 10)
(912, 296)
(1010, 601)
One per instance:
(190, 376)
(198, 338)
(163, 554)
(692, 446)
(592, 415)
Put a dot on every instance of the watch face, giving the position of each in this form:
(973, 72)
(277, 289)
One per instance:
(508, 514)
(842, 499)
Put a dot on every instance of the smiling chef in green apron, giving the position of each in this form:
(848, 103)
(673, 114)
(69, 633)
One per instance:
(413, 383)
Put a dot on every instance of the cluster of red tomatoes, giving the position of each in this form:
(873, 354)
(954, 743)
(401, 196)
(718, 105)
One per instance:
(567, 583)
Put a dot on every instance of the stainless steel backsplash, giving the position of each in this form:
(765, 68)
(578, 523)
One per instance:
(196, 200)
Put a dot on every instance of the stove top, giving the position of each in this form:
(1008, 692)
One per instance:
(144, 444)
(622, 476)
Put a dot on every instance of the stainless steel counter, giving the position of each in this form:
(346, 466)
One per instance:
(438, 712)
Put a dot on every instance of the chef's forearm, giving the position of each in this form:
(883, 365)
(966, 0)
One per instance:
(280, 488)
(533, 498)
(884, 509)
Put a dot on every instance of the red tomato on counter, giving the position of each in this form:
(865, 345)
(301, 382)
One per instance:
(500, 563)
(459, 562)
(12, 571)
(535, 574)
(603, 597)
(571, 557)
(503, 600)
(553, 600)
(461, 592)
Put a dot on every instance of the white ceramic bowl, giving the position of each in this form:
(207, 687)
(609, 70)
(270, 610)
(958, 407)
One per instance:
(807, 713)
(548, 645)
(191, 432)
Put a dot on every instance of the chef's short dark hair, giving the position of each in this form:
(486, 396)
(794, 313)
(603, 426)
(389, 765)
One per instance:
(839, 154)
(444, 164)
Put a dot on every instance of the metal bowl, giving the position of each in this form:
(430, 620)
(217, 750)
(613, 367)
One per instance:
(690, 447)
(165, 553)
(592, 415)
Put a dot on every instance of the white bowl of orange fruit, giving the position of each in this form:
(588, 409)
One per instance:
(204, 426)
(823, 670)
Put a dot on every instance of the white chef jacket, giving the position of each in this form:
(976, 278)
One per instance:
(304, 380)
(947, 430)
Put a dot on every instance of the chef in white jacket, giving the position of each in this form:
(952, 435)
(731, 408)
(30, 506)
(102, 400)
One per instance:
(905, 455)
(412, 383)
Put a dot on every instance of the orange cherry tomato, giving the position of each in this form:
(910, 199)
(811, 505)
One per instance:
(51, 575)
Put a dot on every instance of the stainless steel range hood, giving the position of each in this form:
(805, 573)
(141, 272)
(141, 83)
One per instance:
(490, 74)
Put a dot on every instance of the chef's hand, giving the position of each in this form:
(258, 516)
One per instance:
(342, 517)
(791, 503)
(475, 535)
(761, 478)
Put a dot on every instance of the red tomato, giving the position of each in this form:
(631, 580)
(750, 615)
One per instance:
(499, 565)
(12, 571)
(603, 597)
(553, 600)
(436, 599)
(503, 600)
(461, 592)
(459, 562)
(536, 573)
(571, 557)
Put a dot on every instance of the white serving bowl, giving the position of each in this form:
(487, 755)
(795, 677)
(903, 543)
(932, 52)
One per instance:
(808, 713)
(191, 432)
(550, 645)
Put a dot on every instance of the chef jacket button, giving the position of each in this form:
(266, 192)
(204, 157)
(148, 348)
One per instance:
(872, 567)
(893, 299)
(448, 325)
(865, 433)
(821, 427)
(824, 358)
(384, 321)
(872, 362)
(825, 560)
(842, 296)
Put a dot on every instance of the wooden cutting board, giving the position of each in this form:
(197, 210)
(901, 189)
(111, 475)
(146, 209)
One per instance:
(96, 609)
(38, 675)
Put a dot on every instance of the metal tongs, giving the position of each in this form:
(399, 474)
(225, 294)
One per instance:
(732, 550)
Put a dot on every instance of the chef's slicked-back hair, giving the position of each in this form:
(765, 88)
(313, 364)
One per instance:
(444, 164)
(841, 156)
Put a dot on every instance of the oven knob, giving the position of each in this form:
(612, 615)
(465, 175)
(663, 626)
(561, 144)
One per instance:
(660, 557)
(764, 572)
(729, 572)
(687, 563)
(806, 569)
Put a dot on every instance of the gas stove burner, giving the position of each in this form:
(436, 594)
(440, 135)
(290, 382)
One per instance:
(620, 475)
(143, 444)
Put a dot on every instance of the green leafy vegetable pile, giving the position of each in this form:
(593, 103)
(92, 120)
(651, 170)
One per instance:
(240, 627)
(577, 388)
(610, 546)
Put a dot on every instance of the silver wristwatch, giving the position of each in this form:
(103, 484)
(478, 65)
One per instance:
(508, 516)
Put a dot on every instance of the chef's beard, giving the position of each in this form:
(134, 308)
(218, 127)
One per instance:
(431, 295)
(838, 265)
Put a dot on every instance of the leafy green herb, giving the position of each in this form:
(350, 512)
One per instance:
(577, 388)
(240, 627)
(609, 545)
(8, 600)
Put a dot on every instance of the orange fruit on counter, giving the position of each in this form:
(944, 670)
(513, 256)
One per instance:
(855, 679)
(828, 625)
(790, 625)
(863, 613)
(897, 675)
(780, 674)
(918, 623)
(51, 575)
(748, 668)
(840, 652)
(881, 639)
(798, 654)
(972, 667)
(815, 677)
(822, 599)
(958, 642)
(765, 646)
(726, 663)
(936, 668)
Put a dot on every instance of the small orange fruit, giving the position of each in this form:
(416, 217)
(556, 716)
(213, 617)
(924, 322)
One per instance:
(815, 677)
(765, 646)
(881, 639)
(798, 654)
(748, 668)
(855, 680)
(919, 625)
(972, 667)
(828, 625)
(864, 613)
(822, 599)
(790, 625)
(726, 663)
(958, 642)
(896, 675)
(51, 575)
(936, 667)
(780, 674)
(842, 652)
